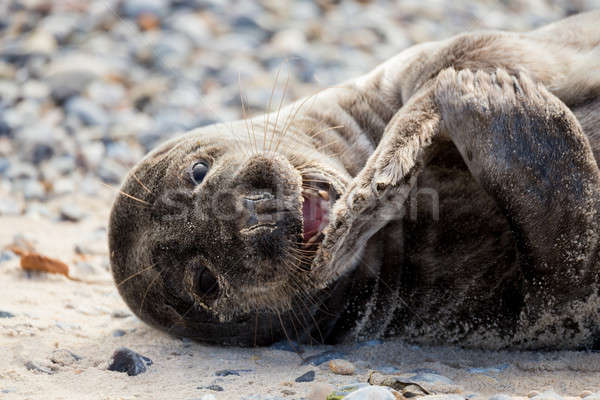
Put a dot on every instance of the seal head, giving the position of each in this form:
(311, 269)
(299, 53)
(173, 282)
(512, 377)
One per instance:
(213, 239)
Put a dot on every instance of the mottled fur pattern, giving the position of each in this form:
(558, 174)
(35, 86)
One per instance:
(468, 187)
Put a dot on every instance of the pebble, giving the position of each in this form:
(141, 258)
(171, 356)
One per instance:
(71, 213)
(228, 372)
(126, 360)
(34, 366)
(320, 391)
(307, 377)
(215, 388)
(64, 357)
(341, 367)
(6, 314)
(500, 396)
(428, 377)
(7, 255)
(10, 207)
(373, 393)
(118, 333)
(135, 8)
(547, 395)
(321, 358)
(88, 112)
(120, 314)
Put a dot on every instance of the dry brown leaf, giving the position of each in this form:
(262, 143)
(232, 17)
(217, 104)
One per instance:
(38, 262)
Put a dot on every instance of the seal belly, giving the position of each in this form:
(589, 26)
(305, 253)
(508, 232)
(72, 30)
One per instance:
(447, 270)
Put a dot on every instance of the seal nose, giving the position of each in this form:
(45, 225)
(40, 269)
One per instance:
(265, 173)
(258, 206)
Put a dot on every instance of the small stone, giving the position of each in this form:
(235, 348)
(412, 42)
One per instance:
(533, 393)
(287, 392)
(64, 357)
(489, 370)
(135, 8)
(341, 367)
(36, 90)
(215, 388)
(10, 207)
(6, 314)
(547, 395)
(307, 377)
(500, 396)
(586, 393)
(227, 372)
(33, 366)
(33, 190)
(321, 358)
(320, 391)
(148, 22)
(427, 377)
(68, 84)
(373, 393)
(120, 314)
(71, 213)
(125, 360)
(7, 255)
(88, 112)
(63, 186)
(111, 171)
(118, 333)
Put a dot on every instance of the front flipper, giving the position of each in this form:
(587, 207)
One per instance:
(378, 193)
(528, 151)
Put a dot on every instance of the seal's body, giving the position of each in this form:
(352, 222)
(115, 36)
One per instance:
(449, 196)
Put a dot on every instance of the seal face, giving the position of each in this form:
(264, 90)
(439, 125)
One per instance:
(216, 234)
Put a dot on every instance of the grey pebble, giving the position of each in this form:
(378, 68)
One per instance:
(120, 314)
(126, 360)
(10, 207)
(548, 395)
(65, 85)
(307, 377)
(6, 314)
(64, 357)
(71, 213)
(323, 357)
(427, 377)
(118, 333)
(34, 366)
(500, 396)
(134, 8)
(88, 112)
(215, 388)
(228, 372)
(371, 393)
(7, 255)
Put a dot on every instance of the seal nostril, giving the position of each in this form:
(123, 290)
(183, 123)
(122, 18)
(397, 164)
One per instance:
(206, 284)
(258, 197)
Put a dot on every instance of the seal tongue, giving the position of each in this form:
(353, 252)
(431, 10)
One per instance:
(314, 211)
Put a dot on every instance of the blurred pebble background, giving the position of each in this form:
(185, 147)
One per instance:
(87, 87)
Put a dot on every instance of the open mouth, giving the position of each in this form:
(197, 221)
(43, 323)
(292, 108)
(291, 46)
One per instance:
(318, 200)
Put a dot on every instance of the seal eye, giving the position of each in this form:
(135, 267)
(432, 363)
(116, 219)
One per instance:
(199, 171)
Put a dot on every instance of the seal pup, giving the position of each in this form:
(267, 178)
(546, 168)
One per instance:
(451, 195)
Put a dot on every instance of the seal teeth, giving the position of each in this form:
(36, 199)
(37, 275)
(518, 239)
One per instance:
(324, 195)
(313, 240)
